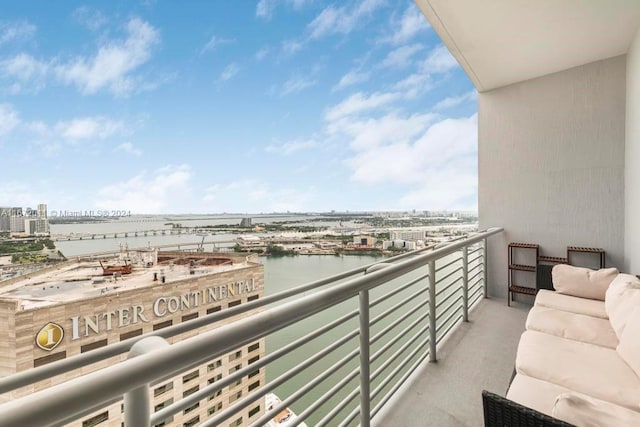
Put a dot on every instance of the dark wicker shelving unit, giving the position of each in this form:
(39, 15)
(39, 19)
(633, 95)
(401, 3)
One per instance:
(513, 287)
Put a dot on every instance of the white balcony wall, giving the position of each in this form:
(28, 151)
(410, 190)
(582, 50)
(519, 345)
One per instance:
(632, 159)
(551, 163)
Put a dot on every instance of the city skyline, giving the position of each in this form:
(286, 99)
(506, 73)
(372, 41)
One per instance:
(291, 105)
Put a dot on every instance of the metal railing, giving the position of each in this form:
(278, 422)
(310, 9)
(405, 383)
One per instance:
(405, 307)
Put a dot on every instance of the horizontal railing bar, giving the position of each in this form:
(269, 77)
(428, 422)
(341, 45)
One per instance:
(477, 284)
(442, 267)
(326, 397)
(446, 331)
(475, 300)
(384, 365)
(476, 249)
(396, 338)
(291, 372)
(446, 288)
(306, 388)
(399, 320)
(448, 297)
(339, 407)
(474, 267)
(476, 292)
(396, 291)
(97, 387)
(210, 389)
(472, 260)
(397, 306)
(387, 379)
(398, 368)
(452, 305)
(31, 376)
(446, 276)
(384, 399)
(475, 275)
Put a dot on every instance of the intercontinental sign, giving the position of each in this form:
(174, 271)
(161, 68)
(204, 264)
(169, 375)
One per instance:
(52, 334)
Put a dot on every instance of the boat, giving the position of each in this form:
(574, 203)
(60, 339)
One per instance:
(284, 418)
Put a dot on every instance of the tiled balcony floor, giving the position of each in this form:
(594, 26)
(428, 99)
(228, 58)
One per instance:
(479, 355)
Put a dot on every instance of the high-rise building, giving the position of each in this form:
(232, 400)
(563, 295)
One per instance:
(409, 235)
(42, 210)
(81, 306)
(5, 219)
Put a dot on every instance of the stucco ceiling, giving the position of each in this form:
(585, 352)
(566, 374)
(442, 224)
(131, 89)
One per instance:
(500, 42)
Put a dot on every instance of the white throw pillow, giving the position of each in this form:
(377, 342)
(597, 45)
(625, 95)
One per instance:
(629, 346)
(622, 297)
(585, 411)
(582, 282)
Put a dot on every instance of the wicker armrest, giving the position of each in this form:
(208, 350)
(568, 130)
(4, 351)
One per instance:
(502, 412)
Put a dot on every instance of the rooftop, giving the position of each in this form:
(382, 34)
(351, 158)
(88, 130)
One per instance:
(83, 279)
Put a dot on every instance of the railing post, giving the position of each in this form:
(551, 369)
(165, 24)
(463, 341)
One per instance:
(365, 384)
(465, 284)
(432, 312)
(484, 268)
(137, 403)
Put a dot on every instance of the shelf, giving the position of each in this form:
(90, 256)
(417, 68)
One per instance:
(553, 259)
(522, 290)
(581, 249)
(524, 245)
(522, 267)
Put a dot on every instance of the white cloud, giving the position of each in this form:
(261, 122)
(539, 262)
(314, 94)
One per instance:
(401, 57)
(89, 128)
(149, 193)
(214, 42)
(360, 102)
(91, 18)
(411, 23)
(129, 148)
(454, 101)
(440, 163)
(439, 60)
(262, 53)
(342, 20)
(265, 8)
(229, 72)
(291, 147)
(353, 77)
(251, 195)
(113, 65)
(289, 47)
(296, 84)
(8, 119)
(16, 31)
(28, 73)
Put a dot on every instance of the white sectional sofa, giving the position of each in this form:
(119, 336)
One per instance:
(579, 358)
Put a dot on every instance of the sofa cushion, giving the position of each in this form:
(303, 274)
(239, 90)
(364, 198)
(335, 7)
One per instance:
(582, 282)
(586, 368)
(534, 393)
(586, 411)
(573, 326)
(629, 348)
(622, 297)
(572, 304)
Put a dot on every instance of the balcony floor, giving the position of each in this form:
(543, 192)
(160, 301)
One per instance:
(479, 355)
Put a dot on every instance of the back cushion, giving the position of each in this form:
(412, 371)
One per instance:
(582, 282)
(629, 346)
(622, 297)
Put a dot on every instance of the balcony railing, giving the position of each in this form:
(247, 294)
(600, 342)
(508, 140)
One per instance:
(348, 343)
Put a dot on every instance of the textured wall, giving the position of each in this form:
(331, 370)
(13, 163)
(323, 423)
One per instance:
(551, 163)
(632, 156)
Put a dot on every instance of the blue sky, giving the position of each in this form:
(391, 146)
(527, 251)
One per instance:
(232, 106)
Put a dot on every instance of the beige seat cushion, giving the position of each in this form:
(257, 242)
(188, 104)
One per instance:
(534, 393)
(582, 282)
(572, 304)
(573, 326)
(584, 411)
(622, 297)
(629, 348)
(586, 368)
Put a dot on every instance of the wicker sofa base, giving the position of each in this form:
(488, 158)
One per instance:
(502, 412)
